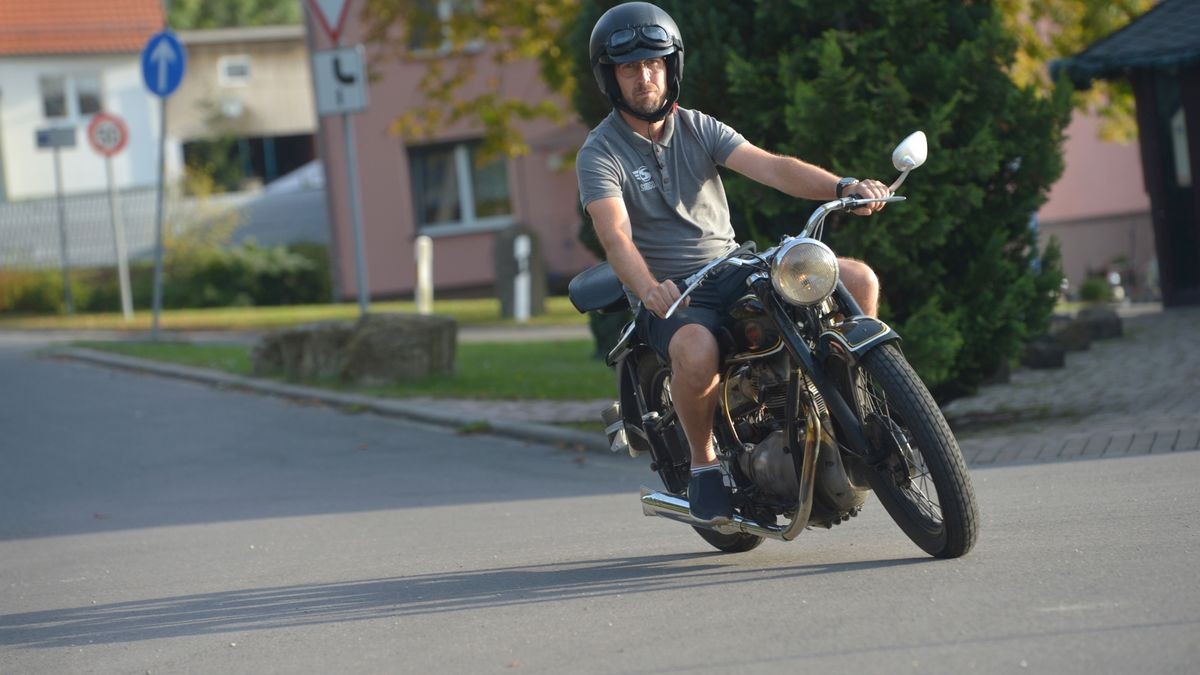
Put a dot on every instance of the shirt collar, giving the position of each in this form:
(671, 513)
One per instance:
(640, 142)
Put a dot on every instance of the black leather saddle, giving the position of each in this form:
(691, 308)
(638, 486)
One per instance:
(598, 289)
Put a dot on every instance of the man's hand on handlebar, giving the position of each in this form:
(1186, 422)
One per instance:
(660, 298)
(868, 189)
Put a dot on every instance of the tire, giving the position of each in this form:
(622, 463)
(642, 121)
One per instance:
(895, 406)
(729, 543)
(655, 382)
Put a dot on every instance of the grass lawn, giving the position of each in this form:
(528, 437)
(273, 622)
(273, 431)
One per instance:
(477, 311)
(563, 370)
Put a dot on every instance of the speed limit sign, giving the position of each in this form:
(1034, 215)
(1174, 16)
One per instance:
(107, 134)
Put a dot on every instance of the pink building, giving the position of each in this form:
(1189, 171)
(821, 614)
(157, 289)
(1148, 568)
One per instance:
(438, 188)
(1099, 210)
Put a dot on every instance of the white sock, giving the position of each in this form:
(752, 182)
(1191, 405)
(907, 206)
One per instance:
(705, 467)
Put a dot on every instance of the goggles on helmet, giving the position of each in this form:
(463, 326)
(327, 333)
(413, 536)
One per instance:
(626, 40)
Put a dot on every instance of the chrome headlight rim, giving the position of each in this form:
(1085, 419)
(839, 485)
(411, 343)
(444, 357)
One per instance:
(826, 271)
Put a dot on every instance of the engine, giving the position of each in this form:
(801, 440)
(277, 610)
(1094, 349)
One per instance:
(755, 395)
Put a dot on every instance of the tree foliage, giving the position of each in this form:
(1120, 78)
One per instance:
(474, 32)
(839, 86)
(197, 14)
(1053, 29)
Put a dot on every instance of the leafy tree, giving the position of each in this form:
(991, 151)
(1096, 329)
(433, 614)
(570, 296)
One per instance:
(512, 30)
(1052, 29)
(195, 14)
(839, 86)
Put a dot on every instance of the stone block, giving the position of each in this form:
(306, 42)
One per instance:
(1044, 352)
(387, 348)
(1102, 322)
(305, 352)
(1074, 336)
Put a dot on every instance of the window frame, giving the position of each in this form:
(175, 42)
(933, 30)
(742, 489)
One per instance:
(72, 110)
(223, 78)
(468, 222)
(445, 12)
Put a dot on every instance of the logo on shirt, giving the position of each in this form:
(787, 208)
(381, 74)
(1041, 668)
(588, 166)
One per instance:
(645, 180)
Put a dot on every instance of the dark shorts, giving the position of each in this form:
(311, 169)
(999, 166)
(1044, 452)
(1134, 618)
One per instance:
(709, 306)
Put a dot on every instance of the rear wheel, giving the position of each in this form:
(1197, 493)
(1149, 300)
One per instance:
(655, 380)
(729, 543)
(919, 476)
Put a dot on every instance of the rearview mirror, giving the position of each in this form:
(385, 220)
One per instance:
(911, 152)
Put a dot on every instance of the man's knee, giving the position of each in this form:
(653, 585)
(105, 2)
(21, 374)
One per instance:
(856, 274)
(693, 351)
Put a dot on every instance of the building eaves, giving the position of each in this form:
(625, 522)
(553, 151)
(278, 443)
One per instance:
(1167, 35)
(242, 34)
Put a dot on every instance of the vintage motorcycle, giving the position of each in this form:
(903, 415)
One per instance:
(817, 404)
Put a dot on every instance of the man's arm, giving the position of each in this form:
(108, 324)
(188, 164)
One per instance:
(796, 178)
(611, 220)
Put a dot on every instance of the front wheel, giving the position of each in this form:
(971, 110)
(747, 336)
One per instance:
(918, 471)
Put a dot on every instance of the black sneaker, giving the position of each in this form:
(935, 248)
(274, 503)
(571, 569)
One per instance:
(708, 498)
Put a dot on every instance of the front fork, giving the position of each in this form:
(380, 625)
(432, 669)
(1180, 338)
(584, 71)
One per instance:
(849, 429)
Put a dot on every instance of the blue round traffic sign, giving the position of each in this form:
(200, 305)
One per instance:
(163, 63)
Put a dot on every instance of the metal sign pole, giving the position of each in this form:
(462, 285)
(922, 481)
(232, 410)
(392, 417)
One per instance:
(119, 243)
(158, 219)
(360, 258)
(68, 298)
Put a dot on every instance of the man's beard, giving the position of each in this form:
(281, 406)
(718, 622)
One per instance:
(648, 105)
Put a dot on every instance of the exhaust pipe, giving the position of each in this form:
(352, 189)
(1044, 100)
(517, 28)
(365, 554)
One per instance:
(661, 504)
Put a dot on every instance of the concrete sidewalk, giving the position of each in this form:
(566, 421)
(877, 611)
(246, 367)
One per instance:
(1136, 394)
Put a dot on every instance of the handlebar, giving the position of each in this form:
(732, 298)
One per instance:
(693, 282)
(814, 221)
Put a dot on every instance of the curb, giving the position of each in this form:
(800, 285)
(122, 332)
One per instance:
(524, 431)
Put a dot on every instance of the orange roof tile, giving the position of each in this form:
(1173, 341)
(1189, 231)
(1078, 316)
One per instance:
(77, 26)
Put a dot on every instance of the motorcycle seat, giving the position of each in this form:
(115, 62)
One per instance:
(598, 289)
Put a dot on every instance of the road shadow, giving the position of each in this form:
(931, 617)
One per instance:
(421, 594)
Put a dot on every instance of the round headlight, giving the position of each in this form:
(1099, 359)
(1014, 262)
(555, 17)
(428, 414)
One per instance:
(804, 271)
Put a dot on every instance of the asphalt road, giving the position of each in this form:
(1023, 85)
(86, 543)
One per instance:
(155, 525)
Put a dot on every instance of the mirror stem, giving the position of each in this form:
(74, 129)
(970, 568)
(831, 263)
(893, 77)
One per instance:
(899, 181)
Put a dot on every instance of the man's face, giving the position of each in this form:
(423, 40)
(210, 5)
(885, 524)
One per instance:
(643, 84)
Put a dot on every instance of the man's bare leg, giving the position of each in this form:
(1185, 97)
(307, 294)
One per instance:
(694, 388)
(862, 283)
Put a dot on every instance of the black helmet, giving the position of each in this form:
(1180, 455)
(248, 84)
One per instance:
(636, 31)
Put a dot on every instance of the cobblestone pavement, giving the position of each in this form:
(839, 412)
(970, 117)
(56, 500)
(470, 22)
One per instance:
(1136, 394)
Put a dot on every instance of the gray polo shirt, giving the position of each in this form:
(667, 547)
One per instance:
(676, 202)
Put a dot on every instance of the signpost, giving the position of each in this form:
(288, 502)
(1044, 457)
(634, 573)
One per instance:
(55, 138)
(340, 82)
(163, 64)
(108, 136)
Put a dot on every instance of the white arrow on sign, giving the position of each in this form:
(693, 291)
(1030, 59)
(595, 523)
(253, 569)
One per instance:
(162, 56)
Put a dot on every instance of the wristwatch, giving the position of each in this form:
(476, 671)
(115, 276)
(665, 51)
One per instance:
(843, 184)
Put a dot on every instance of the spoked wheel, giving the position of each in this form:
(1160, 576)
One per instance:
(920, 477)
(656, 385)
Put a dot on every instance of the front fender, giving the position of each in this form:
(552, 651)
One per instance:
(856, 336)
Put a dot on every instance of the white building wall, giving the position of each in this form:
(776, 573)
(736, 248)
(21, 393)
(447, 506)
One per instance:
(28, 171)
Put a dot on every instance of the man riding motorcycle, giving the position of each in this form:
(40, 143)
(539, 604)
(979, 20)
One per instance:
(648, 178)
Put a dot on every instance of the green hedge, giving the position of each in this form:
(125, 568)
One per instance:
(247, 275)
